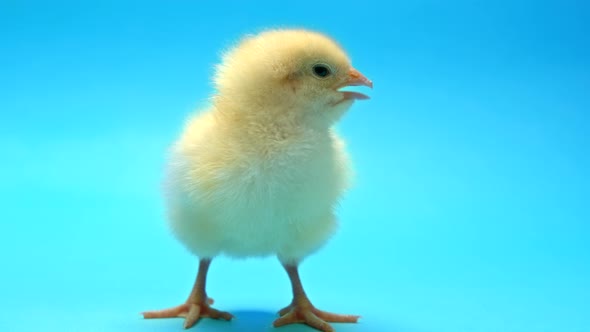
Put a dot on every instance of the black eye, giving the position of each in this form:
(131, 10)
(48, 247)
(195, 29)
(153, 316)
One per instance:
(321, 70)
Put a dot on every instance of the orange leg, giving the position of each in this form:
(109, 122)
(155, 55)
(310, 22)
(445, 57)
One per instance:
(302, 311)
(196, 306)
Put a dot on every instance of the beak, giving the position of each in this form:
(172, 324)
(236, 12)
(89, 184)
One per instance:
(355, 78)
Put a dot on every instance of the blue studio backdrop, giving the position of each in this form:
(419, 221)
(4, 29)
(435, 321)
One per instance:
(470, 211)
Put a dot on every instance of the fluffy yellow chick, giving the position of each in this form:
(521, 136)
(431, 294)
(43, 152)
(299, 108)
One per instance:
(260, 172)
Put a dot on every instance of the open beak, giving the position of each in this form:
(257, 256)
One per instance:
(355, 78)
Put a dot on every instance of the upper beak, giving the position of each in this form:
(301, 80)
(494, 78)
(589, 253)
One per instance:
(356, 78)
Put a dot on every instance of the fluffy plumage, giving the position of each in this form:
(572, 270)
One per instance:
(260, 172)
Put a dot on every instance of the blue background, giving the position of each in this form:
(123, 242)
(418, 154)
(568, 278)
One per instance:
(470, 211)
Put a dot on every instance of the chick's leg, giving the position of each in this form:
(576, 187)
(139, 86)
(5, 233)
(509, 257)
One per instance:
(302, 311)
(196, 306)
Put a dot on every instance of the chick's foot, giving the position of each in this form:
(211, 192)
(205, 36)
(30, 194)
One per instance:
(197, 305)
(302, 311)
(191, 312)
(306, 313)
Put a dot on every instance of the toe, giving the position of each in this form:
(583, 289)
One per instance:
(193, 316)
(288, 318)
(285, 310)
(335, 318)
(314, 321)
(177, 311)
(216, 314)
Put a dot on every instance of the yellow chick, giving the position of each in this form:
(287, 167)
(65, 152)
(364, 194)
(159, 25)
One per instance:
(259, 173)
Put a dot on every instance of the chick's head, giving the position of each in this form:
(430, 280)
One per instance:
(289, 71)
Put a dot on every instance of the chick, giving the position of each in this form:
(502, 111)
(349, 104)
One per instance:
(260, 172)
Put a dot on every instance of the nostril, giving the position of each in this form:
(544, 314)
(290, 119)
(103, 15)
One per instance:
(354, 74)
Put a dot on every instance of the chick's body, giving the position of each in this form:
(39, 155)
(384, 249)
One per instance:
(246, 188)
(261, 171)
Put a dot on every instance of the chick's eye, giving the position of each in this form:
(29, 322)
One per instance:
(321, 71)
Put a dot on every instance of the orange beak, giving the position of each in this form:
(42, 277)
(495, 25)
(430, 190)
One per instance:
(355, 78)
